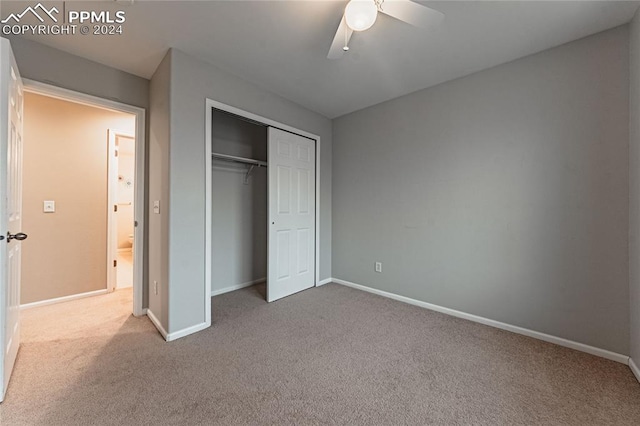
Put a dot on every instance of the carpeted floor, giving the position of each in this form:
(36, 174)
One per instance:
(329, 355)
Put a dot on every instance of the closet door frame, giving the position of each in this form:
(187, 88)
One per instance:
(210, 105)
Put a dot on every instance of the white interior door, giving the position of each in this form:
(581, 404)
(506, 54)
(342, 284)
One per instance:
(291, 200)
(119, 201)
(11, 100)
(112, 215)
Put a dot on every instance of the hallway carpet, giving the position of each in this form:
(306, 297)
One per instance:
(329, 355)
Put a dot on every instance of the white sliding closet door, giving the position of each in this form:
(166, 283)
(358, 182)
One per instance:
(291, 205)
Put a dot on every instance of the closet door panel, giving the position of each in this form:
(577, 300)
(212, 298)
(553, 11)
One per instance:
(283, 255)
(304, 180)
(291, 208)
(284, 190)
(303, 249)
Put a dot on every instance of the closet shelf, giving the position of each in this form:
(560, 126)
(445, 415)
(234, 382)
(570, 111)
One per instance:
(233, 158)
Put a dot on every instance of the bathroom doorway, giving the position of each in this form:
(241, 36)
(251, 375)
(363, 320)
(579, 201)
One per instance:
(121, 205)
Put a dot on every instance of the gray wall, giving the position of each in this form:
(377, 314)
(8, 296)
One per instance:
(158, 172)
(502, 194)
(634, 186)
(58, 68)
(239, 210)
(191, 82)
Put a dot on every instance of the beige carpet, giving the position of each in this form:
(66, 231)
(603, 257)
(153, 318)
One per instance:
(124, 271)
(331, 355)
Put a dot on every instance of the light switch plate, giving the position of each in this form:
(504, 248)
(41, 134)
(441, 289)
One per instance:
(156, 206)
(49, 206)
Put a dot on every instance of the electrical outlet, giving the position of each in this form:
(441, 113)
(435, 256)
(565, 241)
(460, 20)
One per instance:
(378, 266)
(155, 287)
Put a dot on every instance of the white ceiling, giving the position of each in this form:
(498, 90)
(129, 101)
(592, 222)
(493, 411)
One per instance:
(282, 45)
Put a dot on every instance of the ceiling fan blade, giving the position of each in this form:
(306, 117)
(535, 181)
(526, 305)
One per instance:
(412, 13)
(341, 39)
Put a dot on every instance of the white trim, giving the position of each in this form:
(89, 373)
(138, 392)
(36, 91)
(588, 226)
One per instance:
(157, 323)
(139, 234)
(317, 278)
(52, 91)
(186, 331)
(63, 299)
(208, 225)
(325, 281)
(624, 359)
(259, 118)
(236, 287)
(209, 105)
(124, 250)
(140, 184)
(634, 368)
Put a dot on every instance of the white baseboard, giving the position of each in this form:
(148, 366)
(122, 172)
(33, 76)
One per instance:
(634, 368)
(63, 299)
(624, 359)
(237, 287)
(186, 331)
(156, 322)
(325, 281)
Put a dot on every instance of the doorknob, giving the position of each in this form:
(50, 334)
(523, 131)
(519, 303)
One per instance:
(20, 236)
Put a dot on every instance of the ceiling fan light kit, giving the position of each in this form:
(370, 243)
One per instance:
(361, 14)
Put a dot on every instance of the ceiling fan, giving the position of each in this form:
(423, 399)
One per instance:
(360, 15)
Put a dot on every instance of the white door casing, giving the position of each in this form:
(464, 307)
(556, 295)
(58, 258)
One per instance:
(11, 119)
(291, 211)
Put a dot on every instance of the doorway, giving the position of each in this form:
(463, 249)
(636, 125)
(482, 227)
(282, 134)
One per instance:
(292, 226)
(80, 205)
(120, 209)
(239, 206)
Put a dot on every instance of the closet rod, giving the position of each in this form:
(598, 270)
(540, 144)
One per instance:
(242, 160)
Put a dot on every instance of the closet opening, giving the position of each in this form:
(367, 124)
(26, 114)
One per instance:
(262, 204)
(238, 203)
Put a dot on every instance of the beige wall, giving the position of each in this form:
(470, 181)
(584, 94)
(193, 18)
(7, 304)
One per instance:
(65, 160)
